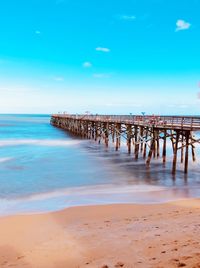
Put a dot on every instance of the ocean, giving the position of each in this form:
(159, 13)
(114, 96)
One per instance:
(43, 168)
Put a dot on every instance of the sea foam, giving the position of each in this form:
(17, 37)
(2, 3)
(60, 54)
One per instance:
(38, 142)
(5, 159)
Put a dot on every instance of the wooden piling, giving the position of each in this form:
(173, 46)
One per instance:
(136, 142)
(106, 134)
(164, 146)
(158, 144)
(141, 135)
(117, 137)
(155, 139)
(145, 144)
(150, 151)
(187, 134)
(129, 135)
(193, 153)
(175, 153)
(182, 147)
(113, 133)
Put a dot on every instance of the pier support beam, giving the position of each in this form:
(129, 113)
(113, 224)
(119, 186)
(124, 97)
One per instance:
(158, 144)
(136, 143)
(145, 144)
(129, 135)
(113, 133)
(175, 153)
(141, 135)
(106, 133)
(164, 147)
(152, 148)
(187, 135)
(193, 153)
(182, 147)
(118, 131)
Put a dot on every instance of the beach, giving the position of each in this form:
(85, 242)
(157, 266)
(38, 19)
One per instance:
(57, 214)
(105, 236)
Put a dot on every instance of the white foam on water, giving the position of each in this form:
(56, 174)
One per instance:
(107, 189)
(98, 190)
(5, 159)
(38, 142)
(91, 195)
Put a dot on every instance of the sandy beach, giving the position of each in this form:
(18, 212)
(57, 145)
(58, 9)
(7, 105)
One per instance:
(109, 236)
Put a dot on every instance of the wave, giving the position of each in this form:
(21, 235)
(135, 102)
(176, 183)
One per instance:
(92, 190)
(38, 142)
(93, 195)
(74, 196)
(5, 159)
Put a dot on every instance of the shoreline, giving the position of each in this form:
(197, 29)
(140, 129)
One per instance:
(32, 213)
(117, 235)
(95, 195)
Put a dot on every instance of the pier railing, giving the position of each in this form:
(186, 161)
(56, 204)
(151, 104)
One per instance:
(191, 122)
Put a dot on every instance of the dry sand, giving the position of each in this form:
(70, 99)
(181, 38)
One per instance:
(166, 235)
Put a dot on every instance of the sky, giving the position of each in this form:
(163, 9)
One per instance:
(105, 57)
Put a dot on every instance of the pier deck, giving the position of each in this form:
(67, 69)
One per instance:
(144, 134)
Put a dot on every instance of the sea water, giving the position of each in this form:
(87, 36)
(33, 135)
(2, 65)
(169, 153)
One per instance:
(43, 168)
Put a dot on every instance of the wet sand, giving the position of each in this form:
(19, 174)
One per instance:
(109, 236)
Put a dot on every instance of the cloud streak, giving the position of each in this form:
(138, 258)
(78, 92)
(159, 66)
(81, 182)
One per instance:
(182, 25)
(87, 64)
(127, 17)
(59, 78)
(103, 49)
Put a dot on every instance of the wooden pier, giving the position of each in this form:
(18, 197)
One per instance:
(145, 135)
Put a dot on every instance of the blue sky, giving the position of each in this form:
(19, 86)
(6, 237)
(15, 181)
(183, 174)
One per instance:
(107, 56)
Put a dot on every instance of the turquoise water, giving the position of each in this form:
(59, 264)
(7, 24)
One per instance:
(43, 168)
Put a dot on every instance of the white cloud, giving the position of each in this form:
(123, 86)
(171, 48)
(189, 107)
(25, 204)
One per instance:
(37, 32)
(87, 64)
(127, 18)
(182, 25)
(103, 49)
